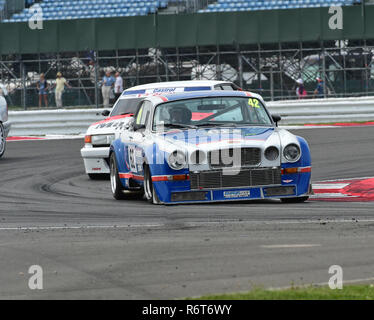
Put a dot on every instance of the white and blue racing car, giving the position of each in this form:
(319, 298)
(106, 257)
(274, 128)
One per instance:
(207, 147)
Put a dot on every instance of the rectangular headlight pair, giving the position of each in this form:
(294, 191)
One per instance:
(102, 140)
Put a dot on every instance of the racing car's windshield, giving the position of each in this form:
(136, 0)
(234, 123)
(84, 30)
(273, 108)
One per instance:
(210, 112)
(126, 106)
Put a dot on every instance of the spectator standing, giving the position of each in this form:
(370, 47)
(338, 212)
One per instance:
(319, 92)
(91, 57)
(118, 86)
(42, 86)
(3, 91)
(300, 89)
(61, 82)
(108, 83)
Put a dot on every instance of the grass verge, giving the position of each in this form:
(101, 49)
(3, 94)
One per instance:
(349, 292)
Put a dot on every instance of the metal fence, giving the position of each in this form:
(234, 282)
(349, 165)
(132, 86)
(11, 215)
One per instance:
(294, 112)
(269, 69)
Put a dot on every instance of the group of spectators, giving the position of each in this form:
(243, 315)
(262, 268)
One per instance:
(43, 87)
(301, 92)
(112, 87)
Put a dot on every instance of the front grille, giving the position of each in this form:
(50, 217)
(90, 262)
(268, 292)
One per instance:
(225, 158)
(218, 179)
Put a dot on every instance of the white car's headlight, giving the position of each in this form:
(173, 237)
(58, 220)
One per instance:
(177, 160)
(292, 152)
(102, 140)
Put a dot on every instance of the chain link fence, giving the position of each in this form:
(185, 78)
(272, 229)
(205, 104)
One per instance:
(270, 70)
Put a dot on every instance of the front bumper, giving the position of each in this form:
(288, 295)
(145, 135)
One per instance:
(96, 159)
(256, 193)
(290, 186)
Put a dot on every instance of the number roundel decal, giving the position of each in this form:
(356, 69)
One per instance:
(253, 103)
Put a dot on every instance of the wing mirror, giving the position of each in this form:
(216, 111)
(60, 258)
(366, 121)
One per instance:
(105, 113)
(276, 118)
(130, 124)
(138, 126)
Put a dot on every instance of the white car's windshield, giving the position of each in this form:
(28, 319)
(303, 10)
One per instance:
(126, 106)
(216, 111)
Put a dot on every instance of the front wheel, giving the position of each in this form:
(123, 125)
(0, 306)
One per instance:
(115, 183)
(149, 188)
(2, 140)
(294, 200)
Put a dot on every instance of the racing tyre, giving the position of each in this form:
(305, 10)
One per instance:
(115, 183)
(294, 200)
(149, 189)
(2, 140)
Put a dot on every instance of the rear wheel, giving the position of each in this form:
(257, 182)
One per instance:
(294, 200)
(149, 189)
(2, 140)
(115, 182)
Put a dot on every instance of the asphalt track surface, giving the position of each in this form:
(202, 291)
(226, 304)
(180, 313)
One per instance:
(93, 247)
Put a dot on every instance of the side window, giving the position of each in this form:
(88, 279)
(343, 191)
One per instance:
(224, 86)
(227, 87)
(139, 114)
(144, 113)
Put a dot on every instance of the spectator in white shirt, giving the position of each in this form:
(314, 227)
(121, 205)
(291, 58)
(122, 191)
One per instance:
(118, 86)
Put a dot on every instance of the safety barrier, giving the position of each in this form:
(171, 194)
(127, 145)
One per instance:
(324, 110)
(53, 122)
(293, 112)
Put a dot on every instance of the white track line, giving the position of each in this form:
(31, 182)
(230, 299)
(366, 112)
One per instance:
(332, 195)
(344, 179)
(127, 226)
(189, 224)
(336, 186)
(258, 222)
(286, 246)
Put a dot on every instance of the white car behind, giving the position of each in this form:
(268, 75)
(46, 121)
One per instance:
(100, 135)
(4, 123)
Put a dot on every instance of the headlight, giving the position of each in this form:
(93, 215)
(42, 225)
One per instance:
(292, 152)
(177, 160)
(272, 153)
(102, 140)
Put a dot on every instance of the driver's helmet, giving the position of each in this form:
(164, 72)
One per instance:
(180, 114)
